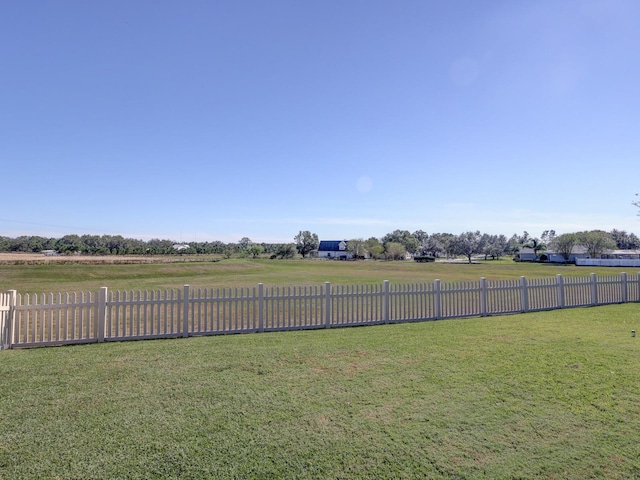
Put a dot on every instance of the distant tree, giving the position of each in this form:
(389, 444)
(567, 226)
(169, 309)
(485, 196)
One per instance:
(244, 242)
(494, 246)
(513, 245)
(624, 240)
(356, 247)
(306, 242)
(373, 247)
(403, 237)
(93, 245)
(286, 250)
(37, 244)
(394, 251)
(468, 244)
(156, 246)
(524, 238)
(596, 242)
(563, 244)
(422, 237)
(69, 244)
(229, 250)
(255, 250)
(436, 244)
(536, 245)
(547, 236)
(637, 204)
(116, 244)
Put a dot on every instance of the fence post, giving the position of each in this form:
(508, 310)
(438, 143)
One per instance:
(560, 290)
(6, 329)
(437, 299)
(524, 294)
(484, 293)
(594, 289)
(327, 304)
(623, 276)
(386, 302)
(185, 311)
(261, 307)
(101, 321)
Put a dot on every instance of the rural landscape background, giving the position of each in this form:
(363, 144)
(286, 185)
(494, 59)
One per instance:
(539, 395)
(150, 145)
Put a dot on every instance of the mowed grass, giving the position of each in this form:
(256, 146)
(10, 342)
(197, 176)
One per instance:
(541, 395)
(248, 273)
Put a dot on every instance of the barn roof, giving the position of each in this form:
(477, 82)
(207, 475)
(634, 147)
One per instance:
(330, 245)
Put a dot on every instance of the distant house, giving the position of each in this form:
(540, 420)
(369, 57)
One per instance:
(334, 249)
(526, 254)
(181, 246)
(578, 252)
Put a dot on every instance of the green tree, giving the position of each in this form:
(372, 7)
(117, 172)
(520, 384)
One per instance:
(494, 246)
(536, 245)
(69, 244)
(244, 242)
(394, 251)
(403, 237)
(436, 244)
(423, 238)
(356, 247)
(548, 236)
(563, 244)
(286, 250)
(624, 240)
(468, 244)
(596, 242)
(373, 246)
(306, 242)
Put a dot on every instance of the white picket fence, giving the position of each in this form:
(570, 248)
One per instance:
(32, 320)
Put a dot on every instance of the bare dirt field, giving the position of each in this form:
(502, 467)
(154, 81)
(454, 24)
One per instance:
(40, 259)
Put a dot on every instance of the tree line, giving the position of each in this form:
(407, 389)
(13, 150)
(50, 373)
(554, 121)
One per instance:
(397, 244)
(392, 246)
(119, 245)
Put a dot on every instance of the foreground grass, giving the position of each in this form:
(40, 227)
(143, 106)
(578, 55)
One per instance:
(544, 395)
(248, 273)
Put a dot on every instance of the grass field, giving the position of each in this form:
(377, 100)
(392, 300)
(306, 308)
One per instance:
(56, 277)
(543, 395)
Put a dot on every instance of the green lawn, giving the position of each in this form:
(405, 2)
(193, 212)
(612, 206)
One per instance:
(248, 273)
(542, 395)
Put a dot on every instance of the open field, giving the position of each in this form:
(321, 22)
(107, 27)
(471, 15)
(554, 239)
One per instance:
(542, 395)
(64, 277)
(40, 259)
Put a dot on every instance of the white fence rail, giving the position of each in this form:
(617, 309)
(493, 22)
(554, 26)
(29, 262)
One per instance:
(30, 320)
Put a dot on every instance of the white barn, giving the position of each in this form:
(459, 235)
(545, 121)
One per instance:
(334, 249)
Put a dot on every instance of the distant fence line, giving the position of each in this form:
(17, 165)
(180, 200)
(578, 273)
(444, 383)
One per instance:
(31, 320)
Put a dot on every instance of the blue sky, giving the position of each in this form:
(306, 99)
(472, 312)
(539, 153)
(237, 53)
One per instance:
(216, 120)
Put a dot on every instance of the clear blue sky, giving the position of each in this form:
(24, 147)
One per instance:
(216, 120)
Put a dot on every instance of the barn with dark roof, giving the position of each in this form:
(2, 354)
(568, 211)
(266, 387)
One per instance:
(333, 249)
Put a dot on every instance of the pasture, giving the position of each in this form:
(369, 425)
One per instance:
(89, 275)
(540, 395)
